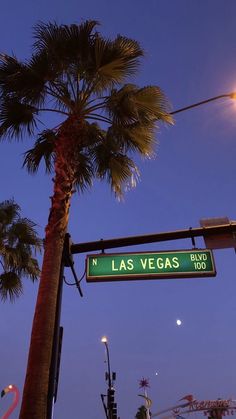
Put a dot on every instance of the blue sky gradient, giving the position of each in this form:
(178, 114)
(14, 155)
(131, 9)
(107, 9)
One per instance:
(190, 51)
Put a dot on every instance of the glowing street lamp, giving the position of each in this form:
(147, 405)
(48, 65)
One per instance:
(111, 407)
(231, 95)
(108, 374)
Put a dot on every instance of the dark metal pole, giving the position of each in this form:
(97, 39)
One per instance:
(109, 367)
(111, 408)
(228, 95)
(58, 364)
(153, 238)
(66, 261)
(104, 405)
(56, 348)
(58, 331)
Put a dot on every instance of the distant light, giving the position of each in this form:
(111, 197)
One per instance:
(104, 339)
(10, 386)
(156, 373)
(178, 322)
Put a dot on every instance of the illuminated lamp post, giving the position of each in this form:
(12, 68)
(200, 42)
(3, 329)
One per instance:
(231, 95)
(111, 406)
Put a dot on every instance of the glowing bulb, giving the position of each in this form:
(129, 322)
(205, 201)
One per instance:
(178, 322)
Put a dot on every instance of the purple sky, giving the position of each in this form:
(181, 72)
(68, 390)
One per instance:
(191, 54)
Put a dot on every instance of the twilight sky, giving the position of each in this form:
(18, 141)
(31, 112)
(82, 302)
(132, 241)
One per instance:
(190, 50)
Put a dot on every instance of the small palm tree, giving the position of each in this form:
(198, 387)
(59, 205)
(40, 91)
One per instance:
(82, 77)
(18, 242)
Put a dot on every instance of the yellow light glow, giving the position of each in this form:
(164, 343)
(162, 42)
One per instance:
(104, 339)
(233, 102)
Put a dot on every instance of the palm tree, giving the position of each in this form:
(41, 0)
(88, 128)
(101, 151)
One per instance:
(18, 242)
(78, 74)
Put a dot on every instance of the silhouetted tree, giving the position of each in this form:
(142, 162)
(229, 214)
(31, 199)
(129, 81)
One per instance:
(80, 75)
(18, 243)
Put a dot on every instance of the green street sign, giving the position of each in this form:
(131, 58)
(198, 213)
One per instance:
(150, 265)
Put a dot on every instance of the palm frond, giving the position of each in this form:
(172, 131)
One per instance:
(94, 134)
(10, 286)
(116, 168)
(131, 104)
(9, 213)
(113, 61)
(119, 105)
(126, 54)
(47, 36)
(67, 52)
(12, 257)
(9, 68)
(122, 174)
(85, 172)
(16, 118)
(18, 242)
(23, 232)
(20, 259)
(30, 270)
(68, 45)
(79, 39)
(138, 137)
(61, 96)
(26, 81)
(42, 150)
(151, 103)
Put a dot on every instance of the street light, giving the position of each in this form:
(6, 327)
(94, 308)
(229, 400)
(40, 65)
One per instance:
(111, 406)
(231, 95)
(108, 374)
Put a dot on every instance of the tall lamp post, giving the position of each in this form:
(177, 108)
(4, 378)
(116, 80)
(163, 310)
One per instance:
(231, 95)
(110, 407)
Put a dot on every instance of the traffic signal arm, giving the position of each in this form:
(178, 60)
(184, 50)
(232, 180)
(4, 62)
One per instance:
(154, 238)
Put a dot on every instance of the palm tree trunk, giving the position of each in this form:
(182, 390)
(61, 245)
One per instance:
(34, 402)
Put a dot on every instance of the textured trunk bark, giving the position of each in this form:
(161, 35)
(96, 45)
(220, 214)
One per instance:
(34, 402)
